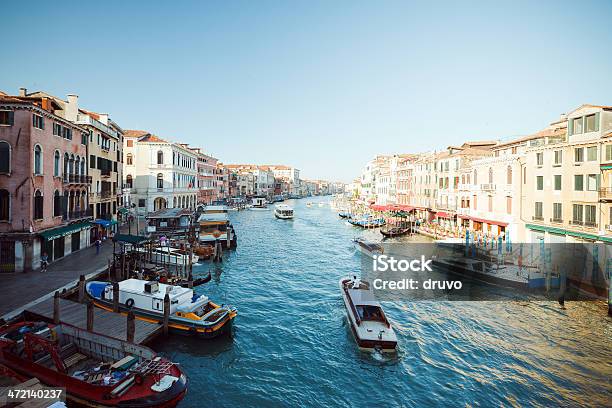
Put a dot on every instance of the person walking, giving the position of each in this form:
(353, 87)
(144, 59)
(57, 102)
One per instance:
(98, 244)
(44, 262)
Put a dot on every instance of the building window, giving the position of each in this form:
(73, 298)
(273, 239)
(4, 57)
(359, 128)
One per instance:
(92, 161)
(579, 155)
(475, 177)
(490, 203)
(557, 182)
(129, 159)
(490, 175)
(591, 123)
(56, 163)
(591, 153)
(577, 210)
(130, 143)
(558, 157)
(509, 175)
(129, 181)
(539, 182)
(592, 182)
(509, 205)
(538, 214)
(7, 118)
(160, 180)
(590, 216)
(475, 202)
(38, 205)
(557, 212)
(539, 159)
(38, 159)
(5, 157)
(578, 182)
(514, 150)
(38, 121)
(577, 126)
(57, 204)
(5, 203)
(609, 152)
(160, 157)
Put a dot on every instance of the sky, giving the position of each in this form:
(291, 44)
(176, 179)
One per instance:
(320, 85)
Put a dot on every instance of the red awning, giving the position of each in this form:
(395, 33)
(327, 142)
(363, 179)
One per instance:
(377, 207)
(442, 214)
(467, 217)
(407, 208)
(492, 222)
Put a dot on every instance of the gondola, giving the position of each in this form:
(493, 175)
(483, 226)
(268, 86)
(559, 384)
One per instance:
(394, 231)
(196, 282)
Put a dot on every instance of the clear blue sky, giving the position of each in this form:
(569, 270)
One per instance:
(320, 85)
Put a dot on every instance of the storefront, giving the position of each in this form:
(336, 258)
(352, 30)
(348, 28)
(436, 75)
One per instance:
(61, 241)
(101, 229)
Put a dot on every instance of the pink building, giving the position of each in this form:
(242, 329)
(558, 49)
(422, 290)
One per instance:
(207, 177)
(43, 183)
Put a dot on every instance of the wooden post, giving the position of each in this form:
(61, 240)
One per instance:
(110, 278)
(124, 273)
(115, 297)
(81, 288)
(90, 315)
(166, 313)
(131, 327)
(56, 307)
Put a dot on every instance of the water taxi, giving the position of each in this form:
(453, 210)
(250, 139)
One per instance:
(259, 203)
(369, 324)
(189, 313)
(283, 212)
(215, 226)
(368, 248)
(95, 370)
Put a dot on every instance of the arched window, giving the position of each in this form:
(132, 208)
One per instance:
(38, 205)
(128, 181)
(475, 177)
(56, 163)
(66, 161)
(5, 157)
(490, 175)
(129, 159)
(160, 180)
(57, 204)
(5, 204)
(160, 157)
(83, 166)
(509, 175)
(38, 159)
(77, 165)
(71, 164)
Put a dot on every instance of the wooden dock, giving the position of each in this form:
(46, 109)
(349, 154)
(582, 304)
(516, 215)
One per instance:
(104, 322)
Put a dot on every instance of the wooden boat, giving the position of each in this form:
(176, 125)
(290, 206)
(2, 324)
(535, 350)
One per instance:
(367, 222)
(390, 232)
(283, 212)
(203, 251)
(215, 226)
(369, 324)
(368, 248)
(189, 314)
(344, 214)
(196, 282)
(96, 370)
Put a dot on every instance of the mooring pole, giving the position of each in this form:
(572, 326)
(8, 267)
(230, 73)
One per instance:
(131, 327)
(56, 307)
(116, 297)
(166, 313)
(81, 288)
(90, 315)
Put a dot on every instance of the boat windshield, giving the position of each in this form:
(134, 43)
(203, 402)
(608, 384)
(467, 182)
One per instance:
(370, 313)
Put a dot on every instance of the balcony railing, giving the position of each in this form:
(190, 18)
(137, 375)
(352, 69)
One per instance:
(106, 194)
(76, 179)
(577, 222)
(537, 218)
(74, 215)
(557, 220)
(605, 193)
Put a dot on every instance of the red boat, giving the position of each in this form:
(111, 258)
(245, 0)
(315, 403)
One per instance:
(96, 370)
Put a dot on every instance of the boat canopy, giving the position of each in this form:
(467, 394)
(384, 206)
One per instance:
(191, 307)
(213, 217)
(362, 297)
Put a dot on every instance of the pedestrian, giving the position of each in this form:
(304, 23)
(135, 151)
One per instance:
(98, 244)
(44, 261)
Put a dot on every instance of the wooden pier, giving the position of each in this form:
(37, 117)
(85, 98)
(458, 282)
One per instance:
(104, 322)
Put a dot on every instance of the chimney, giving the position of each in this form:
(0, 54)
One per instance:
(103, 118)
(72, 107)
(23, 91)
(46, 104)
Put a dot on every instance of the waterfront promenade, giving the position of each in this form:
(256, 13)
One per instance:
(24, 289)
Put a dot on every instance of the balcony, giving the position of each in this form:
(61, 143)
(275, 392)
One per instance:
(76, 179)
(78, 214)
(106, 194)
(487, 187)
(105, 173)
(577, 222)
(537, 218)
(605, 194)
(556, 220)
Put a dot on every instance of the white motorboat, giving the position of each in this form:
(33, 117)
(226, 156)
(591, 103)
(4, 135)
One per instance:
(369, 324)
(169, 255)
(259, 203)
(283, 211)
(368, 248)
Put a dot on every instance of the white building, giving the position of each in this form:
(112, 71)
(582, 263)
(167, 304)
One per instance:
(158, 173)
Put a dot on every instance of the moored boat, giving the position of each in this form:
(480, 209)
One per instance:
(367, 222)
(215, 226)
(96, 370)
(344, 214)
(368, 248)
(259, 203)
(189, 313)
(283, 212)
(169, 255)
(390, 232)
(369, 324)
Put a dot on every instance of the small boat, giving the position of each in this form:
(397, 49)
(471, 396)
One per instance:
(96, 370)
(367, 222)
(189, 313)
(196, 282)
(309, 204)
(203, 251)
(215, 226)
(390, 232)
(344, 214)
(259, 203)
(368, 248)
(283, 212)
(369, 324)
(169, 255)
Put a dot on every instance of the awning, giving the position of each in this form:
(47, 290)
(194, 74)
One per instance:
(465, 217)
(54, 233)
(606, 167)
(123, 211)
(377, 207)
(577, 234)
(442, 214)
(104, 223)
(492, 222)
(130, 239)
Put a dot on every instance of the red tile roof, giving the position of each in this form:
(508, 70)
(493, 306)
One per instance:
(135, 133)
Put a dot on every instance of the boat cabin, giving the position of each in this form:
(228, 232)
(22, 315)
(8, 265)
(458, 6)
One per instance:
(259, 202)
(170, 220)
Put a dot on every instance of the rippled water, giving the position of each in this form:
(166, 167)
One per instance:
(292, 345)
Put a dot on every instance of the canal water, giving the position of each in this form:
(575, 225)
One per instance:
(292, 346)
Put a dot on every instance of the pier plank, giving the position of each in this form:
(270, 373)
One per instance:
(107, 323)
